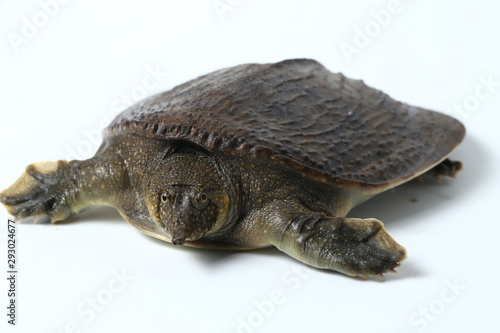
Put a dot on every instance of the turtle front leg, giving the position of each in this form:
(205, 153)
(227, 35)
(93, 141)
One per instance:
(59, 189)
(356, 247)
(45, 188)
(351, 246)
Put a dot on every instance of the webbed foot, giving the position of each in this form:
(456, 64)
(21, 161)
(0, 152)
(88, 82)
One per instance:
(43, 189)
(356, 247)
(446, 168)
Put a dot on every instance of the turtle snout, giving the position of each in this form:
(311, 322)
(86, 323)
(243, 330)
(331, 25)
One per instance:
(179, 237)
(178, 241)
(178, 232)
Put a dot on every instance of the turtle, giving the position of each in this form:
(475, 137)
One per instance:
(254, 156)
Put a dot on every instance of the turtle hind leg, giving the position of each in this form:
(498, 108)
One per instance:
(445, 168)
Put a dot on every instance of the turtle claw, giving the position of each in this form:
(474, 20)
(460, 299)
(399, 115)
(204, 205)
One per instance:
(380, 276)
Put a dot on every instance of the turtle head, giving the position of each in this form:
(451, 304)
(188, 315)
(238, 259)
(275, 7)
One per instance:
(188, 212)
(187, 197)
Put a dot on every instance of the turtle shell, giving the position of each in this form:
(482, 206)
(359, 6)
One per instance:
(298, 113)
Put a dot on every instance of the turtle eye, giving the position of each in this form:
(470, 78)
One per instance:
(200, 201)
(164, 197)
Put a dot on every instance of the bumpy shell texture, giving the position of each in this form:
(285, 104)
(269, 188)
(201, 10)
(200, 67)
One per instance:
(298, 113)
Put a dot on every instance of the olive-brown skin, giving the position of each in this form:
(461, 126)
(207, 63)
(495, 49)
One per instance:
(254, 156)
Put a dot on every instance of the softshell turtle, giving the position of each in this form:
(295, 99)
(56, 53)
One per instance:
(254, 156)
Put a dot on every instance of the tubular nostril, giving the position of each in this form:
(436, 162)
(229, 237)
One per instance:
(178, 241)
(179, 236)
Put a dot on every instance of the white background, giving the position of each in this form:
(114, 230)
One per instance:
(62, 79)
